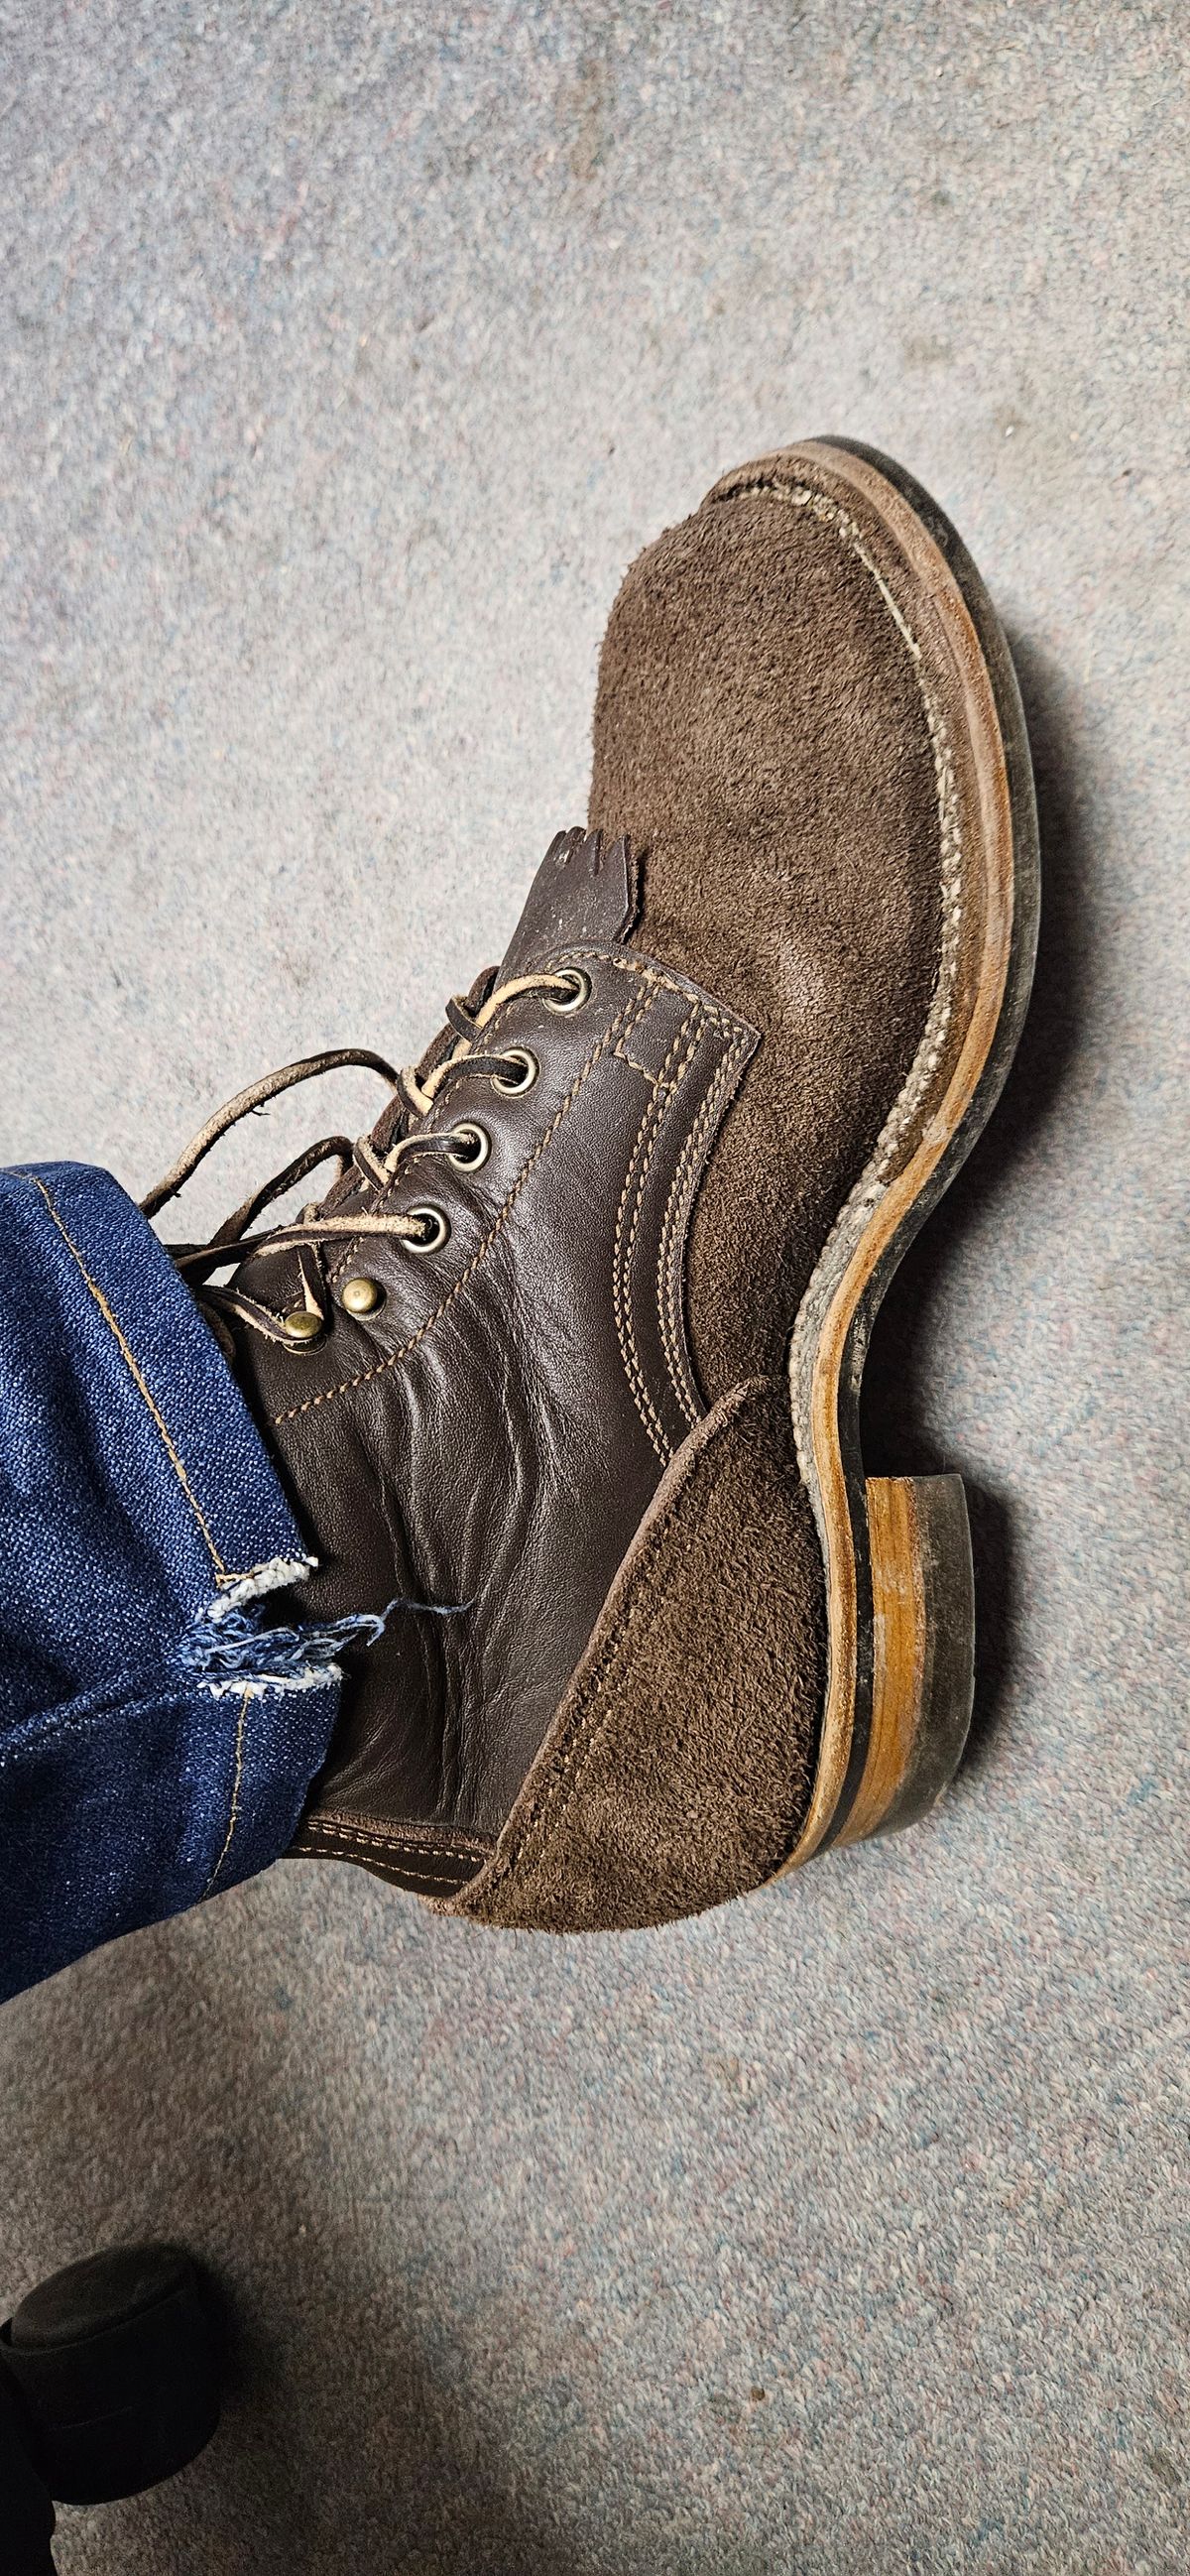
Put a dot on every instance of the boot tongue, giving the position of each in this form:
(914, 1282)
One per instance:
(585, 893)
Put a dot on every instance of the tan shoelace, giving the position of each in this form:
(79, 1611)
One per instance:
(367, 1166)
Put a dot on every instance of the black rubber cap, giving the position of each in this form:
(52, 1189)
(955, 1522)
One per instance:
(117, 2361)
(26, 2513)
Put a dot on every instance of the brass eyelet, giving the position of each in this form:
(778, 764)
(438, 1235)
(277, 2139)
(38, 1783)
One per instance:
(513, 1085)
(435, 1230)
(361, 1296)
(580, 992)
(476, 1139)
(302, 1326)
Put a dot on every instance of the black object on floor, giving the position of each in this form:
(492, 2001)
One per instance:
(109, 2382)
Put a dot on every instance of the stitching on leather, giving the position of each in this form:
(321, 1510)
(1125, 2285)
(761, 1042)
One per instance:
(345, 1831)
(627, 1346)
(414, 1882)
(872, 1181)
(237, 1778)
(643, 969)
(622, 1253)
(395, 1179)
(693, 1016)
(646, 1075)
(625, 1019)
(130, 1362)
(545, 1816)
(668, 1304)
(686, 992)
(668, 1299)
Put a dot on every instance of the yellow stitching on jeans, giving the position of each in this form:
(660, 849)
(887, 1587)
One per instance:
(126, 1355)
(241, 1723)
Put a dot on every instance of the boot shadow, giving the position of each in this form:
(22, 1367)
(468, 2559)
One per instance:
(894, 1412)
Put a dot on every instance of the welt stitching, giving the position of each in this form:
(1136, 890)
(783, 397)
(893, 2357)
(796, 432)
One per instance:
(237, 1779)
(548, 1811)
(625, 1019)
(127, 1355)
(622, 1257)
(668, 1302)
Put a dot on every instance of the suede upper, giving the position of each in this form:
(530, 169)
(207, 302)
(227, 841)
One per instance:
(760, 724)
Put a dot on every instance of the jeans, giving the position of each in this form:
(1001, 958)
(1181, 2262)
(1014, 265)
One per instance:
(162, 1709)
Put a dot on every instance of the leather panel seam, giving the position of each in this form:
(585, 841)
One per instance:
(622, 1252)
(669, 1261)
(342, 1829)
(547, 1812)
(727, 1021)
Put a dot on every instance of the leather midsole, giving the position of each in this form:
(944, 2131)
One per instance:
(855, 1268)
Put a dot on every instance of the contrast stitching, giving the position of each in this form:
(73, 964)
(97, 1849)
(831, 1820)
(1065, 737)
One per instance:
(668, 1301)
(624, 1019)
(130, 1362)
(622, 1253)
(547, 1812)
(651, 974)
(347, 1832)
(642, 968)
(394, 1181)
(639, 1393)
(237, 1778)
(623, 1057)
(416, 1882)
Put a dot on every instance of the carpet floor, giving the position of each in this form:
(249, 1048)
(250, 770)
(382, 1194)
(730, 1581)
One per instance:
(346, 357)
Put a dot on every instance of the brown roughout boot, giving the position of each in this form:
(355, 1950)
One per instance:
(564, 1373)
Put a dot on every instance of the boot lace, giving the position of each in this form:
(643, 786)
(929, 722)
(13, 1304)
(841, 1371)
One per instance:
(364, 1170)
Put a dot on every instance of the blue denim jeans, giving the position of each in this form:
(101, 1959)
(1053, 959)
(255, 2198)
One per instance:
(162, 1707)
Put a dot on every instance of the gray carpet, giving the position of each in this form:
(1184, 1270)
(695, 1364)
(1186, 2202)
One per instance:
(348, 353)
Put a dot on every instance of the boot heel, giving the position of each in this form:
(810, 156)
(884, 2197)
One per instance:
(923, 1648)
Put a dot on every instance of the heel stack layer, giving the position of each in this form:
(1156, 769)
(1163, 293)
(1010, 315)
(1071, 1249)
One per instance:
(923, 1614)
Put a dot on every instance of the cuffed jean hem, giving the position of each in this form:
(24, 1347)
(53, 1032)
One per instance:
(159, 1723)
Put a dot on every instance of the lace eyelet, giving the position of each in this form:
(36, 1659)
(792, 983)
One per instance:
(580, 992)
(435, 1230)
(513, 1085)
(476, 1139)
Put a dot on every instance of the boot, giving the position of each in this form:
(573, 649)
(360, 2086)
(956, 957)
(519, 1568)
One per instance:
(562, 1375)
